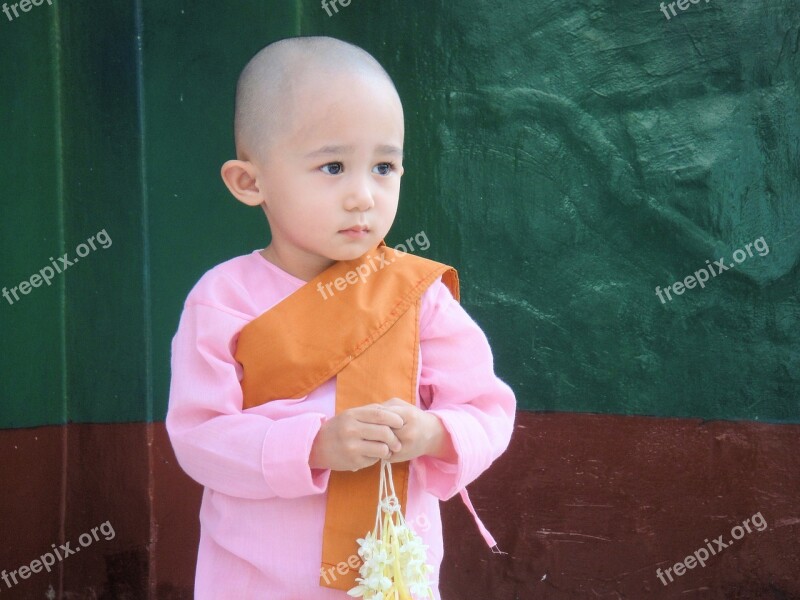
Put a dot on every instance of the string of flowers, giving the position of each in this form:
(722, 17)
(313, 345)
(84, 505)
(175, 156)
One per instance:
(394, 557)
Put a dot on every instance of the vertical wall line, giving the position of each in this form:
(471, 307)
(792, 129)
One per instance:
(147, 312)
(58, 113)
(298, 17)
(145, 213)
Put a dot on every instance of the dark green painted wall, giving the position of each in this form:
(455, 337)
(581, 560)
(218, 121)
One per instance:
(568, 158)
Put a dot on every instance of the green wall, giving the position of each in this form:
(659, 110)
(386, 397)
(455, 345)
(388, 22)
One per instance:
(567, 158)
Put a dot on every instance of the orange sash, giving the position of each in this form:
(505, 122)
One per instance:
(357, 320)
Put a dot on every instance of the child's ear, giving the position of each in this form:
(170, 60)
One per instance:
(240, 178)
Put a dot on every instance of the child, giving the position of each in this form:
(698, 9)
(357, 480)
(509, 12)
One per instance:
(298, 368)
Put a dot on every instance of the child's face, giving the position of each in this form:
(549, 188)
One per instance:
(331, 180)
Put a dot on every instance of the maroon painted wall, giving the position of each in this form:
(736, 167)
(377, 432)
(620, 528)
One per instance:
(586, 506)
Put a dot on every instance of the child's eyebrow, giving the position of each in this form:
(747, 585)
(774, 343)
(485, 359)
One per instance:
(389, 149)
(340, 150)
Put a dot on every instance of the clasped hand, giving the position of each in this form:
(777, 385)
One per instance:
(359, 437)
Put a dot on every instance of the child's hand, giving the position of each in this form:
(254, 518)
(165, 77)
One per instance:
(421, 434)
(356, 438)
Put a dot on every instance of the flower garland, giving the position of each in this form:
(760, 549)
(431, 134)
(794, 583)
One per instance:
(395, 559)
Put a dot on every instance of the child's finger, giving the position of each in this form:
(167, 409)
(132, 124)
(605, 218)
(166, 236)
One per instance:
(393, 403)
(379, 416)
(376, 450)
(410, 414)
(400, 407)
(382, 434)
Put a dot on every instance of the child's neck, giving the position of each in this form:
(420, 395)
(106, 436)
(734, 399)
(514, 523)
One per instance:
(302, 269)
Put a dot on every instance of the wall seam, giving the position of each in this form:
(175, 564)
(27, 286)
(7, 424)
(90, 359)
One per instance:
(147, 315)
(58, 101)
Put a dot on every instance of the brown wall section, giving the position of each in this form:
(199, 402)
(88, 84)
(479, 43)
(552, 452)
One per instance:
(586, 506)
(589, 506)
(108, 479)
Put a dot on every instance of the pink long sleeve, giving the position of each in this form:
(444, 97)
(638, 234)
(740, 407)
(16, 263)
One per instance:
(242, 454)
(458, 384)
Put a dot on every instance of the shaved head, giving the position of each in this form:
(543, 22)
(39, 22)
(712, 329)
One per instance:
(269, 85)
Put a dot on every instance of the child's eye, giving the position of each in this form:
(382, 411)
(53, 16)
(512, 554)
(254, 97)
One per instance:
(383, 168)
(332, 168)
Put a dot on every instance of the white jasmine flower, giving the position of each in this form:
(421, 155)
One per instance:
(395, 559)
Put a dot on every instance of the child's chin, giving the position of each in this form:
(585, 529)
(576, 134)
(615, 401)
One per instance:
(351, 253)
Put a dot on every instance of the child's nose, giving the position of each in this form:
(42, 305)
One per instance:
(360, 195)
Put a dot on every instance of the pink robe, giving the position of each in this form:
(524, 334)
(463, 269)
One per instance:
(263, 507)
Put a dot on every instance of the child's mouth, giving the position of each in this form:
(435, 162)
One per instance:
(355, 232)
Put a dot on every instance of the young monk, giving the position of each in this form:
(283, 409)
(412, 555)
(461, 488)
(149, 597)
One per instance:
(284, 400)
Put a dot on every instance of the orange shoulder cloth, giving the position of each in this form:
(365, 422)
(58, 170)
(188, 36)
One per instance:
(358, 321)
